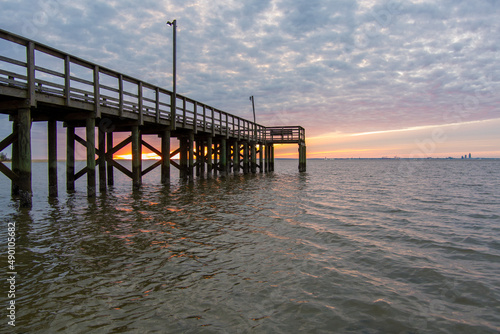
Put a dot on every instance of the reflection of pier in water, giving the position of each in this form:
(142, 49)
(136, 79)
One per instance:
(49, 85)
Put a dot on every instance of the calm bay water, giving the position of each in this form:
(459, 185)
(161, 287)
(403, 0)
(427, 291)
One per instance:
(359, 246)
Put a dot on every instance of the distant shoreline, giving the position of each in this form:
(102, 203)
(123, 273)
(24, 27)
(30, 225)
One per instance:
(309, 159)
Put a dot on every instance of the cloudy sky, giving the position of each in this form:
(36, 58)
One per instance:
(365, 78)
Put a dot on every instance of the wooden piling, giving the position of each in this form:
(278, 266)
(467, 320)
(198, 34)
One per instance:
(302, 157)
(102, 159)
(253, 158)
(191, 154)
(24, 145)
(15, 158)
(223, 156)
(165, 151)
(272, 157)
(236, 157)
(136, 157)
(183, 171)
(91, 179)
(245, 158)
(109, 144)
(52, 155)
(70, 158)
(261, 158)
(216, 152)
(209, 156)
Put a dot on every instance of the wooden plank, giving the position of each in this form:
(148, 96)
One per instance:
(152, 148)
(81, 173)
(67, 80)
(140, 103)
(7, 172)
(102, 159)
(157, 104)
(109, 148)
(120, 95)
(70, 158)
(24, 144)
(52, 155)
(8, 140)
(195, 121)
(165, 154)
(97, 94)
(121, 168)
(30, 56)
(118, 147)
(13, 61)
(91, 152)
(136, 157)
(152, 167)
(175, 164)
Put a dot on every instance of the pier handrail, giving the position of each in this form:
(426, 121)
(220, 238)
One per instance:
(76, 82)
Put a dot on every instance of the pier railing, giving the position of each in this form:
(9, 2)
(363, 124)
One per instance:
(40, 73)
(285, 134)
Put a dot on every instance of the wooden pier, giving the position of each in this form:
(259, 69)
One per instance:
(52, 86)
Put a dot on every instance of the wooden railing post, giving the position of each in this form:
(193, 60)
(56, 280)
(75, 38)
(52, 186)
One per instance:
(157, 106)
(195, 110)
(120, 95)
(97, 97)
(30, 61)
(67, 80)
(140, 103)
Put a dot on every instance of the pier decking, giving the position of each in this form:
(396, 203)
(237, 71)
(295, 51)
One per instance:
(48, 85)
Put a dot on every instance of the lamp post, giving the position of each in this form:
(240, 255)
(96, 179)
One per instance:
(254, 121)
(173, 103)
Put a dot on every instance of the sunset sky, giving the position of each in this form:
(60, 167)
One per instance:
(364, 78)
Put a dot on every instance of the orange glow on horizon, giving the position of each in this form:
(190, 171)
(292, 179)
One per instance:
(145, 156)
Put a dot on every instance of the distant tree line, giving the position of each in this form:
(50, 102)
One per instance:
(3, 157)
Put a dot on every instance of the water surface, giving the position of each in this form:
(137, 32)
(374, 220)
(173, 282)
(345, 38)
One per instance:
(359, 246)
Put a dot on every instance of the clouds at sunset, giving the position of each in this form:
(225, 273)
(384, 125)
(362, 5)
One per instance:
(331, 66)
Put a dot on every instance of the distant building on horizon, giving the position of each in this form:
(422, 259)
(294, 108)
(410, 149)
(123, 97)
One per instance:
(470, 156)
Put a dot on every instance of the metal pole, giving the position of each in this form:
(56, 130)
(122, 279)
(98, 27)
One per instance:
(254, 119)
(174, 92)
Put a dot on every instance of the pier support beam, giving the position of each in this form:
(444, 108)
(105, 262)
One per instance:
(52, 155)
(302, 157)
(24, 146)
(183, 157)
(267, 157)
(70, 158)
(253, 158)
(136, 157)
(191, 155)
(272, 157)
(165, 159)
(102, 159)
(236, 157)
(223, 156)
(109, 144)
(245, 157)
(261, 158)
(209, 156)
(216, 152)
(91, 179)
(200, 156)
(15, 159)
